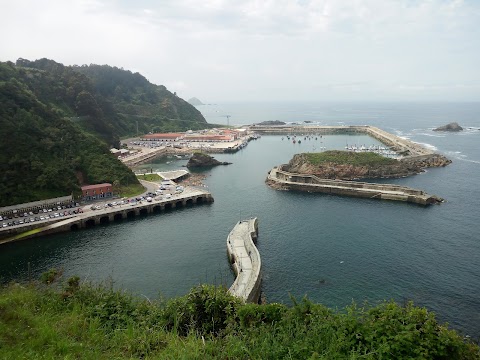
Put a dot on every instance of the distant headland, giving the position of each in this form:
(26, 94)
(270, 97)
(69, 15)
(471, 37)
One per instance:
(195, 102)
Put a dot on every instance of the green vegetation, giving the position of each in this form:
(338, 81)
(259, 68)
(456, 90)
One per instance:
(41, 153)
(130, 190)
(349, 158)
(77, 320)
(134, 100)
(150, 177)
(58, 122)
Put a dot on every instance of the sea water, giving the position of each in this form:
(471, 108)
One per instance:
(333, 249)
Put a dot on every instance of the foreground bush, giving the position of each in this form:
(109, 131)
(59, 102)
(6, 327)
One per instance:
(85, 321)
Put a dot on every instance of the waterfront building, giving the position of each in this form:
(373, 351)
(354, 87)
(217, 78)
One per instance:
(97, 191)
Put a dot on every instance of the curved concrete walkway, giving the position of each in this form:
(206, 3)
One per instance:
(245, 260)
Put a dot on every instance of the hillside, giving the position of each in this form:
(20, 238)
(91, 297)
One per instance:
(134, 99)
(93, 322)
(44, 152)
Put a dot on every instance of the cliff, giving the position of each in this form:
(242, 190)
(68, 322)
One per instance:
(353, 166)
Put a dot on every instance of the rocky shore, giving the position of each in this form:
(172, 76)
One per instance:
(300, 164)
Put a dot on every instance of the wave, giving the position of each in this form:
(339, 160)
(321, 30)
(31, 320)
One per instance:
(469, 160)
(432, 135)
(462, 157)
(428, 146)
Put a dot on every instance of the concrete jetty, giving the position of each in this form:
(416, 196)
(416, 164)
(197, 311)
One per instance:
(143, 155)
(281, 179)
(245, 260)
(106, 215)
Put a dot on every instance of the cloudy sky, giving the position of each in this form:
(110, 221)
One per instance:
(272, 50)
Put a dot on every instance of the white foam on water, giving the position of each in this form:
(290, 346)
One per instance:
(432, 135)
(459, 156)
(428, 146)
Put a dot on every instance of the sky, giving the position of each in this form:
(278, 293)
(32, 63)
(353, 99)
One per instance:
(271, 50)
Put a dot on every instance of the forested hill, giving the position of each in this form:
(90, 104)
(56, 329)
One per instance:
(58, 122)
(134, 99)
(44, 152)
(113, 102)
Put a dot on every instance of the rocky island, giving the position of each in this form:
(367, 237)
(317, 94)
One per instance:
(271, 123)
(331, 172)
(201, 160)
(452, 127)
(346, 165)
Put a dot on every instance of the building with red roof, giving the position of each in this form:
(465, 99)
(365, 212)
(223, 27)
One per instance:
(164, 137)
(209, 138)
(97, 191)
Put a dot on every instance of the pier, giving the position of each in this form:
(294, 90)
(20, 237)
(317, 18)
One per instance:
(281, 179)
(107, 215)
(245, 260)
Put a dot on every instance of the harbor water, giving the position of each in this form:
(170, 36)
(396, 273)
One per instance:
(333, 249)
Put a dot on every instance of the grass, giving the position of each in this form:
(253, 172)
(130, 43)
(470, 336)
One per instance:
(349, 158)
(74, 320)
(130, 190)
(150, 177)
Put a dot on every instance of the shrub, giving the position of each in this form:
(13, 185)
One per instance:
(255, 315)
(206, 309)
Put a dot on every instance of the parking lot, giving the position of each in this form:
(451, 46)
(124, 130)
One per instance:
(19, 218)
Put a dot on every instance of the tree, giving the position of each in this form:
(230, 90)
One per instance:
(116, 186)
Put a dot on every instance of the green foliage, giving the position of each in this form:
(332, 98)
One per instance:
(206, 310)
(135, 101)
(150, 177)
(99, 322)
(253, 315)
(130, 190)
(50, 276)
(43, 154)
(348, 157)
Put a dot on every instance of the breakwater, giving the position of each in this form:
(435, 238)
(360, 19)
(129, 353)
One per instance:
(106, 215)
(283, 180)
(245, 260)
(402, 146)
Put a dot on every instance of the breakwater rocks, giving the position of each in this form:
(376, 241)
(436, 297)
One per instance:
(245, 259)
(199, 160)
(389, 169)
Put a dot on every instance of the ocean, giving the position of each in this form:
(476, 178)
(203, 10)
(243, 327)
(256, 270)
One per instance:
(335, 250)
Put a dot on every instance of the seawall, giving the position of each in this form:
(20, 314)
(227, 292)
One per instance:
(280, 179)
(245, 259)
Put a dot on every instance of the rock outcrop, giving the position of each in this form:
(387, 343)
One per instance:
(199, 160)
(453, 127)
(399, 168)
(271, 123)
